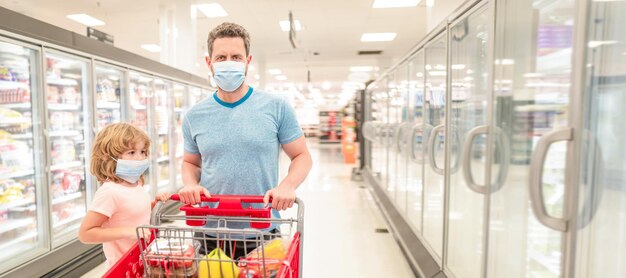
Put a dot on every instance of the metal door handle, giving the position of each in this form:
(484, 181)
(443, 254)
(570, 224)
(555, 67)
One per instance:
(431, 150)
(467, 151)
(535, 184)
(416, 128)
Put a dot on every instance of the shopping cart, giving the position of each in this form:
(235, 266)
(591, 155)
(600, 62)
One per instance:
(174, 250)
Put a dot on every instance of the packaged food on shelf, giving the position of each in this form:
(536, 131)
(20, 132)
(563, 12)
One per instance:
(11, 191)
(15, 156)
(62, 120)
(63, 151)
(53, 95)
(70, 96)
(13, 92)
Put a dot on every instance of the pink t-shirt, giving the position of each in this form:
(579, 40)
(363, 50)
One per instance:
(126, 207)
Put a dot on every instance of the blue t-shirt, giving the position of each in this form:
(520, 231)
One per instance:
(239, 143)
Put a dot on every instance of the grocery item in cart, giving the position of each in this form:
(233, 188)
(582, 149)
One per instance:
(272, 255)
(167, 258)
(217, 265)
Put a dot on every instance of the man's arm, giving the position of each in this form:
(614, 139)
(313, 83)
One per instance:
(190, 194)
(284, 195)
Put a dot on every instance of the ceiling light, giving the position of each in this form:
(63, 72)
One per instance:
(151, 47)
(430, 3)
(361, 69)
(86, 20)
(458, 67)
(275, 71)
(326, 85)
(212, 10)
(378, 37)
(284, 25)
(394, 3)
(281, 77)
(257, 76)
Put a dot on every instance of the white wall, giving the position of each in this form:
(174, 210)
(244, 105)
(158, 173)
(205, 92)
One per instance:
(437, 13)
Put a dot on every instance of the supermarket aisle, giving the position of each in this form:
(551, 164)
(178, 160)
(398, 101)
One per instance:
(340, 222)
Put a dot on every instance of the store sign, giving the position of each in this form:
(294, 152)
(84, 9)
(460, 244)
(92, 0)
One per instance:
(99, 35)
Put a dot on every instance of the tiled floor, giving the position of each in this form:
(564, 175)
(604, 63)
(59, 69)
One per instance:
(340, 222)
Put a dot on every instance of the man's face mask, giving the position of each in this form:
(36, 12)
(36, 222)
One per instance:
(229, 75)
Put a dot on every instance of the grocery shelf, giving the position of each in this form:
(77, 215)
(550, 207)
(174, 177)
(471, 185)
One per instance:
(10, 225)
(63, 107)
(18, 121)
(17, 203)
(163, 159)
(66, 198)
(23, 238)
(63, 166)
(65, 133)
(61, 82)
(69, 220)
(108, 105)
(138, 106)
(21, 105)
(18, 174)
(22, 136)
(179, 110)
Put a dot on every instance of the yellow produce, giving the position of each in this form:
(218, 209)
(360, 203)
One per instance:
(210, 267)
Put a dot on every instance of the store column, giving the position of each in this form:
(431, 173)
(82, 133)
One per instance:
(177, 30)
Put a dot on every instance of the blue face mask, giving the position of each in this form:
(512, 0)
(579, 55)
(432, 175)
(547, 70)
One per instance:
(229, 75)
(131, 170)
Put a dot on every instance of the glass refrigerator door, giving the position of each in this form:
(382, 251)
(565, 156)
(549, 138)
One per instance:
(109, 82)
(416, 140)
(162, 113)
(468, 91)
(393, 125)
(434, 107)
(180, 107)
(385, 131)
(195, 96)
(140, 98)
(401, 102)
(531, 98)
(602, 237)
(67, 88)
(21, 227)
(378, 148)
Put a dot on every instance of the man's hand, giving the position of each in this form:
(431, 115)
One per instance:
(190, 194)
(283, 196)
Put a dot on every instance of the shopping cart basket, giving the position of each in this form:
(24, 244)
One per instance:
(174, 250)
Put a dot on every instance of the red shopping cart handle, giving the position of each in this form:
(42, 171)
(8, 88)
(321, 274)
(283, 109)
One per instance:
(228, 205)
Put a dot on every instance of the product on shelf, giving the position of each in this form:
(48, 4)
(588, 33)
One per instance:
(61, 120)
(11, 91)
(106, 91)
(11, 191)
(63, 151)
(70, 96)
(14, 156)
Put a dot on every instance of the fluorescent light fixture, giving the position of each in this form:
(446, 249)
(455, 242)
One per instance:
(326, 85)
(440, 67)
(430, 3)
(361, 69)
(428, 67)
(86, 19)
(458, 67)
(437, 73)
(257, 76)
(274, 71)
(151, 47)
(281, 77)
(212, 10)
(508, 61)
(378, 4)
(593, 44)
(284, 25)
(378, 37)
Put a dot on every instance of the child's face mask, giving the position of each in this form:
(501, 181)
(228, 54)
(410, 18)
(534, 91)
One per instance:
(131, 170)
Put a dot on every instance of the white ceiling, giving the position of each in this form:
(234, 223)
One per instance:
(332, 28)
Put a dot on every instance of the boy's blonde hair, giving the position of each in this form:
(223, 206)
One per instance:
(113, 141)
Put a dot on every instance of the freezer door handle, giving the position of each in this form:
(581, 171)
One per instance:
(401, 138)
(467, 152)
(416, 128)
(535, 184)
(502, 144)
(431, 149)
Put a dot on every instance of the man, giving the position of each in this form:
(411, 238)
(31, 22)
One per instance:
(233, 138)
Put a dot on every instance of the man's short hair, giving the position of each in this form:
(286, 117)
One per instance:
(229, 30)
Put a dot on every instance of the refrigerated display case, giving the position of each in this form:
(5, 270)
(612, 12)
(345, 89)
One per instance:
(67, 86)
(532, 92)
(22, 231)
(181, 105)
(415, 166)
(141, 93)
(434, 129)
(601, 221)
(162, 116)
(469, 38)
(109, 82)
